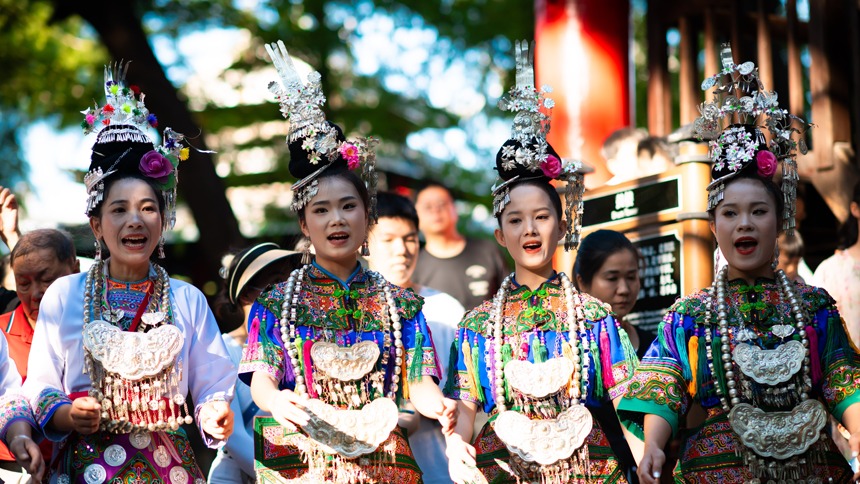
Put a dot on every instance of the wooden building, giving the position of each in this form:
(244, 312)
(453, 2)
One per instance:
(812, 61)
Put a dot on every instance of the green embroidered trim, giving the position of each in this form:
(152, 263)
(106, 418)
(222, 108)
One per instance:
(692, 305)
(477, 319)
(323, 304)
(594, 310)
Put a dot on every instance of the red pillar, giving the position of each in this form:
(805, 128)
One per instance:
(583, 53)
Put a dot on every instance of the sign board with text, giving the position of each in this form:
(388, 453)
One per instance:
(660, 274)
(625, 204)
(665, 216)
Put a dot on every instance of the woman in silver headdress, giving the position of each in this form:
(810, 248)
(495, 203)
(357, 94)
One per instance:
(767, 358)
(335, 348)
(542, 359)
(121, 346)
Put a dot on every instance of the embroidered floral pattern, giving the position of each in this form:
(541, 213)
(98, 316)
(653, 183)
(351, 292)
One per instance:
(46, 403)
(327, 305)
(462, 389)
(660, 384)
(14, 407)
(330, 312)
(841, 381)
(814, 299)
(543, 309)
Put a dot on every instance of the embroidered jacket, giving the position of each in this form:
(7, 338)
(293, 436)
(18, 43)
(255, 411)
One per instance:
(339, 312)
(208, 375)
(539, 319)
(675, 372)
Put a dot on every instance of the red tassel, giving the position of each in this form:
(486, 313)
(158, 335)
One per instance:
(606, 360)
(309, 376)
(814, 358)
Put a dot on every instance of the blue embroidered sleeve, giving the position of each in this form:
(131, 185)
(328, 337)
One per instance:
(47, 402)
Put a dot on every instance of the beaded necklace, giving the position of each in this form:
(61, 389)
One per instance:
(391, 325)
(780, 446)
(575, 314)
(95, 288)
(137, 391)
(337, 436)
(527, 440)
(787, 292)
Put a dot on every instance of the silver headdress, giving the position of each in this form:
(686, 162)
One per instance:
(123, 146)
(312, 137)
(733, 122)
(527, 154)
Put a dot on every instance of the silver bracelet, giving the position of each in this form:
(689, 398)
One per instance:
(21, 436)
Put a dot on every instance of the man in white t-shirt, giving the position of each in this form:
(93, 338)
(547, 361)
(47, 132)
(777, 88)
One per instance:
(394, 247)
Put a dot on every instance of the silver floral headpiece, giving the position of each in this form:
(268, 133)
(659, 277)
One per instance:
(124, 118)
(531, 124)
(301, 103)
(733, 122)
(531, 150)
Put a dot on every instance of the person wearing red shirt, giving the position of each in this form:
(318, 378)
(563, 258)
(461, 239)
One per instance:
(38, 259)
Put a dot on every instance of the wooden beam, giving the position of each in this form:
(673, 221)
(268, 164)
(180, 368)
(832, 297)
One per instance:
(831, 93)
(854, 42)
(659, 90)
(764, 47)
(736, 26)
(711, 53)
(689, 75)
(828, 77)
(795, 68)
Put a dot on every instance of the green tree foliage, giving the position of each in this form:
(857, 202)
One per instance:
(52, 53)
(45, 67)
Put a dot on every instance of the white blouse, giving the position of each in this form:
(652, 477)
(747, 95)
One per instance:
(57, 354)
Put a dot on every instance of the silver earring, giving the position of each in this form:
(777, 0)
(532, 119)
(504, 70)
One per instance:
(98, 256)
(161, 248)
(306, 255)
(365, 250)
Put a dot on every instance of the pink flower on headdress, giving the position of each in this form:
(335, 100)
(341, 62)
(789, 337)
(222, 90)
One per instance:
(349, 152)
(154, 165)
(766, 163)
(551, 167)
(90, 119)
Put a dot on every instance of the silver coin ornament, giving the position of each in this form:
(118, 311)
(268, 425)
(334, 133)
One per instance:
(95, 474)
(178, 475)
(115, 455)
(161, 457)
(140, 440)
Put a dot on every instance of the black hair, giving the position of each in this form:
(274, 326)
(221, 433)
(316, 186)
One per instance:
(612, 143)
(56, 240)
(543, 184)
(750, 171)
(393, 205)
(352, 178)
(4, 263)
(111, 180)
(595, 249)
(652, 146)
(848, 232)
(301, 166)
